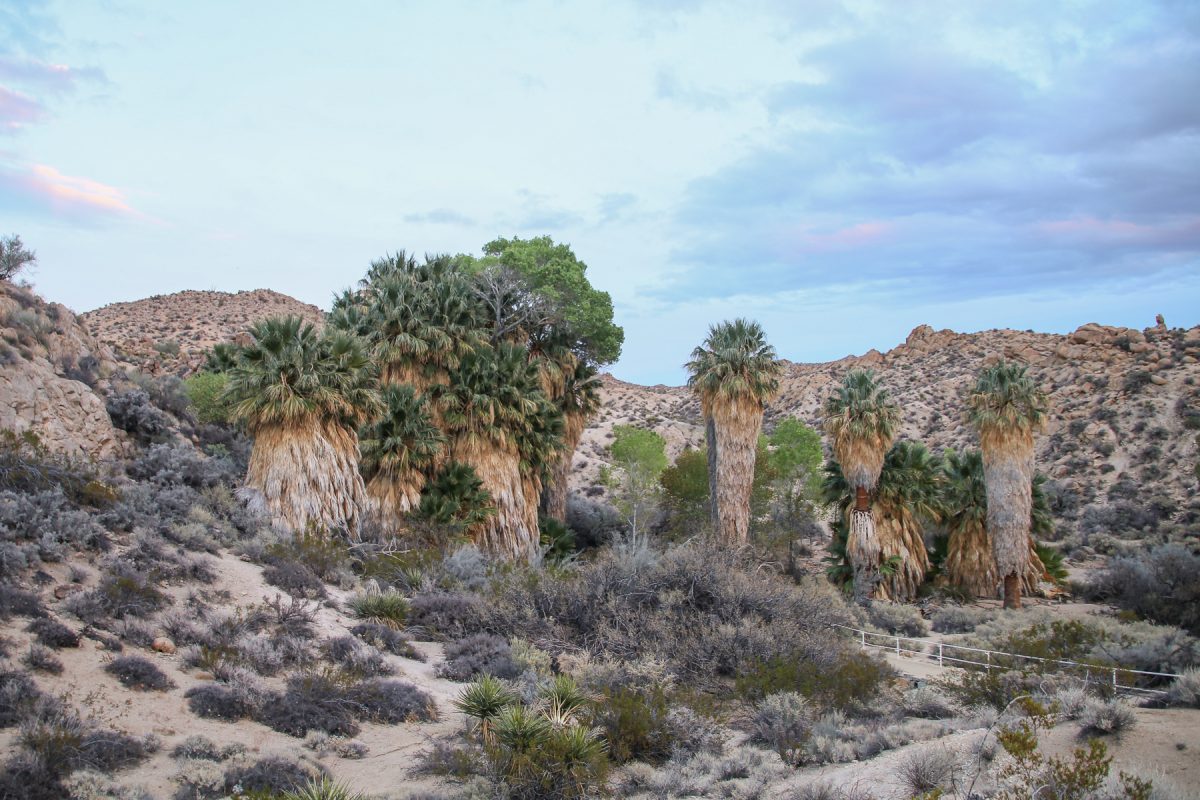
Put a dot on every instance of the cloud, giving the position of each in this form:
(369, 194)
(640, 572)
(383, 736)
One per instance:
(538, 214)
(53, 78)
(953, 157)
(439, 216)
(18, 111)
(613, 205)
(43, 189)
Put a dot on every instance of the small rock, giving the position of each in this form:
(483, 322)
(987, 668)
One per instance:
(1158, 380)
(163, 645)
(66, 590)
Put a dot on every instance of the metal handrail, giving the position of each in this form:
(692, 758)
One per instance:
(942, 658)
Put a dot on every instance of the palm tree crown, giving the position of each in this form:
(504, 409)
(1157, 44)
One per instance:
(862, 421)
(404, 439)
(1006, 402)
(291, 374)
(735, 364)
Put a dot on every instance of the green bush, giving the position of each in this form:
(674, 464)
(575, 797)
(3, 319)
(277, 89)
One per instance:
(385, 608)
(635, 724)
(206, 395)
(849, 683)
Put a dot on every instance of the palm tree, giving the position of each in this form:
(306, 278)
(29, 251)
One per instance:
(501, 424)
(577, 402)
(735, 374)
(303, 396)
(1007, 408)
(861, 420)
(398, 449)
(970, 564)
(908, 494)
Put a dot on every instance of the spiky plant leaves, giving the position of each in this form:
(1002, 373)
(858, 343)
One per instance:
(908, 496)
(563, 699)
(303, 395)
(456, 497)
(398, 449)
(222, 357)
(1007, 408)
(323, 788)
(734, 373)
(483, 701)
(577, 402)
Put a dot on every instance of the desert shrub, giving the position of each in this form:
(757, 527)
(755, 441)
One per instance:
(1162, 585)
(928, 771)
(42, 659)
(447, 615)
(897, 619)
(1185, 690)
(481, 654)
(268, 776)
(205, 394)
(318, 549)
(848, 681)
(782, 721)
(294, 578)
(199, 747)
(956, 619)
(123, 593)
(1106, 717)
(391, 702)
(133, 412)
(65, 742)
(20, 603)
(450, 759)
(1071, 701)
(927, 703)
(181, 465)
(51, 522)
(312, 701)
(18, 693)
(28, 467)
(216, 701)
(150, 555)
(356, 657)
(322, 788)
(53, 633)
(384, 608)
(711, 613)
(745, 771)
(387, 639)
(636, 725)
(294, 616)
(135, 672)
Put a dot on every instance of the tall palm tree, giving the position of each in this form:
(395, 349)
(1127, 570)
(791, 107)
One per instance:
(500, 424)
(907, 496)
(303, 396)
(861, 420)
(577, 402)
(1007, 408)
(735, 374)
(398, 450)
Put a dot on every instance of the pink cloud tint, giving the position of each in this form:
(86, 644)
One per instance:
(849, 238)
(17, 110)
(38, 187)
(1119, 231)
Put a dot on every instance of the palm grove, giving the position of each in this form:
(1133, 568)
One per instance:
(457, 389)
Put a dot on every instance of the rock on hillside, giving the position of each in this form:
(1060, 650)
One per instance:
(1120, 445)
(48, 367)
(168, 334)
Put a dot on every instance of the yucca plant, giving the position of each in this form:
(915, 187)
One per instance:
(303, 395)
(861, 420)
(323, 788)
(1007, 408)
(385, 608)
(735, 374)
(483, 701)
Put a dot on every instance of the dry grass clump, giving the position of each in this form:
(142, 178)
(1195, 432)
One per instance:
(928, 770)
(1111, 717)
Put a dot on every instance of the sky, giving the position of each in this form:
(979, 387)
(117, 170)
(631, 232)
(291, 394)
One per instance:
(840, 171)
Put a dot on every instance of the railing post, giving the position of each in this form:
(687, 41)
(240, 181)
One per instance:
(940, 654)
(897, 645)
(988, 666)
(863, 635)
(1114, 678)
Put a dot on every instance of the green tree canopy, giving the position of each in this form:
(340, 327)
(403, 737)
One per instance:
(553, 271)
(797, 458)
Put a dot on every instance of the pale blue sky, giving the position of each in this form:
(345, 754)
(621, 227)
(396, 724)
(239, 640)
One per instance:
(841, 171)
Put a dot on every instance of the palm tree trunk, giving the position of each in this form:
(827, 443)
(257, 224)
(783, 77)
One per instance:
(306, 475)
(710, 442)
(1008, 478)
(736, 426)
(863, 547)
(900, 536)
(970, 564)
(513, 529)
(395, 495)
(557, 488)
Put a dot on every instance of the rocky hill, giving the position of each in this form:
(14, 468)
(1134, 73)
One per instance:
(168, 334)
(1120, 445)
